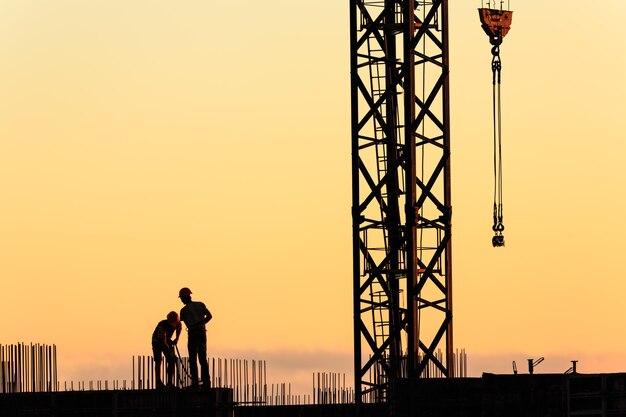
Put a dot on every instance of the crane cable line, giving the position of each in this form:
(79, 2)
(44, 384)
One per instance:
(498, 225)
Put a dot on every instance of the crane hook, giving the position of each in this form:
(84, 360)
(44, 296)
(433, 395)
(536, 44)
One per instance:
(496, 23)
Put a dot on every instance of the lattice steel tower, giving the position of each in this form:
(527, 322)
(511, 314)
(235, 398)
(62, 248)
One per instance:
(401, 207)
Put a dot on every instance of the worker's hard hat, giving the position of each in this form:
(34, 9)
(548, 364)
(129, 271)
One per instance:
(172, 318)
(184, 291)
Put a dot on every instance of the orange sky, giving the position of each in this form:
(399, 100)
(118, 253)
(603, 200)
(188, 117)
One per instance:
(150, 145)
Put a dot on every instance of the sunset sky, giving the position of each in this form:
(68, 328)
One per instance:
(150, 145)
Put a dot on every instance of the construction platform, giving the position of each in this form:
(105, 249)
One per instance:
(523, 395)
(216, 402)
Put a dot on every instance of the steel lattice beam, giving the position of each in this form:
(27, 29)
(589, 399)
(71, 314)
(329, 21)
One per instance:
(401, 205)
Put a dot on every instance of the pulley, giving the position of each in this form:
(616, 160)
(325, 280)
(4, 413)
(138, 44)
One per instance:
(495, 22)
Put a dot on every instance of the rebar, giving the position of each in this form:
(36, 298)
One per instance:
(28, 368)
(33, 368)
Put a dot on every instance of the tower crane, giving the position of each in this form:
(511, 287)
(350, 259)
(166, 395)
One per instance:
(401, 193)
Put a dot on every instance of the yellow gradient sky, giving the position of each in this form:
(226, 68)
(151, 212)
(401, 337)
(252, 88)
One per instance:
(149, 145)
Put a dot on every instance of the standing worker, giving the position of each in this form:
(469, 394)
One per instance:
(162, 343)
(196, 316)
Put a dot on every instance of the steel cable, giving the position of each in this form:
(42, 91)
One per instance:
(498, 226)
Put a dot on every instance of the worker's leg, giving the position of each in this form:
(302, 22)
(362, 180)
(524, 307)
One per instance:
(171, 366)
(204, 364)
(156, 354)
(193, 358)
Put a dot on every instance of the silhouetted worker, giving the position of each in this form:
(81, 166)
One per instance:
(196, 316)
(162, 343)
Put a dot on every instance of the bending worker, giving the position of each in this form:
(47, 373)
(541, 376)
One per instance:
(162, 343)
(196, 316)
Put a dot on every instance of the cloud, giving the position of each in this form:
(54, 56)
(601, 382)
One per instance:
(297, 367)
(296, 359)
(293, 367)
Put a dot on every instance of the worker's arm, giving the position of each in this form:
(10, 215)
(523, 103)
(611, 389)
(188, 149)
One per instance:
(179, 327)
(207, 315)
(162, 337)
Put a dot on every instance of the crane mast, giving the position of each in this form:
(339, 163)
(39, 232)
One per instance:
(401, 202)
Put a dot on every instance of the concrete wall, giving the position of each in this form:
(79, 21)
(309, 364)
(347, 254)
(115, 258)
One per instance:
(524, 395)
(136, 403)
